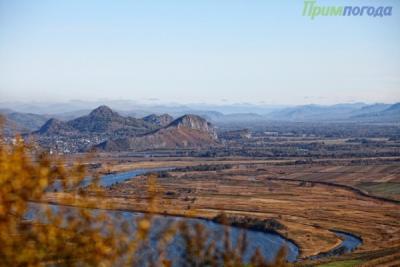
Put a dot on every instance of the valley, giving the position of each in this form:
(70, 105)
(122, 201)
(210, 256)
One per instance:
(305, 181)
(309, 200)
(199, 133)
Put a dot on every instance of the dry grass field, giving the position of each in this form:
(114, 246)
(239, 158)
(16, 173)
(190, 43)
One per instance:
(308, 199)
(380, 180)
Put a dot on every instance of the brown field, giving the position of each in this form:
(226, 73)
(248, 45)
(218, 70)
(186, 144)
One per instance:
(372, 179)
(276, 189)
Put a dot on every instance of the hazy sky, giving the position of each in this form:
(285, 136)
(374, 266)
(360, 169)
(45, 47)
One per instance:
(215, 51)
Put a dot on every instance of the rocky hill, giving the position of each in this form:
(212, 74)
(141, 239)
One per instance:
(105, 120)
(188, 131)
(82, 133)
(160, 120)
(56, 127)
(101, 120)
(193, 122)
(108, 130)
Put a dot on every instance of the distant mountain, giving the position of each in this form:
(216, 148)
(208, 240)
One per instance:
(238, 108)
(240, 117)
(375, 108)
(216, 113)
(160, 120)
(70, 115)
(316, 112)
(393, 109)
(72, 109)
(380, 113)
(57, 108)
(17, 122)
(188, 131)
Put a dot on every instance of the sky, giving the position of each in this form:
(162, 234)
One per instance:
(200, 51)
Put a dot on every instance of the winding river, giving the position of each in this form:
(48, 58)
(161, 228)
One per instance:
(268, 243)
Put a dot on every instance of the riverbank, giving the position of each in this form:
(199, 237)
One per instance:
(349, 241)
(117, 203)
(309, 211)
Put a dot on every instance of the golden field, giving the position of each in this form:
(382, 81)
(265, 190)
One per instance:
(308, 199)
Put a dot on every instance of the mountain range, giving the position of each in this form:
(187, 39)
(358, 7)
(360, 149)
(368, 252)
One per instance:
(340, 112)
(106, 129)
(380, 113)
(102, 120)
(157, 116)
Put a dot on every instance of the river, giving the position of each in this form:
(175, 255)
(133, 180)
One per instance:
(268, 243)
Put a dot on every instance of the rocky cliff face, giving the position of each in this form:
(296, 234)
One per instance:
(189, 131)
(194, 122)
